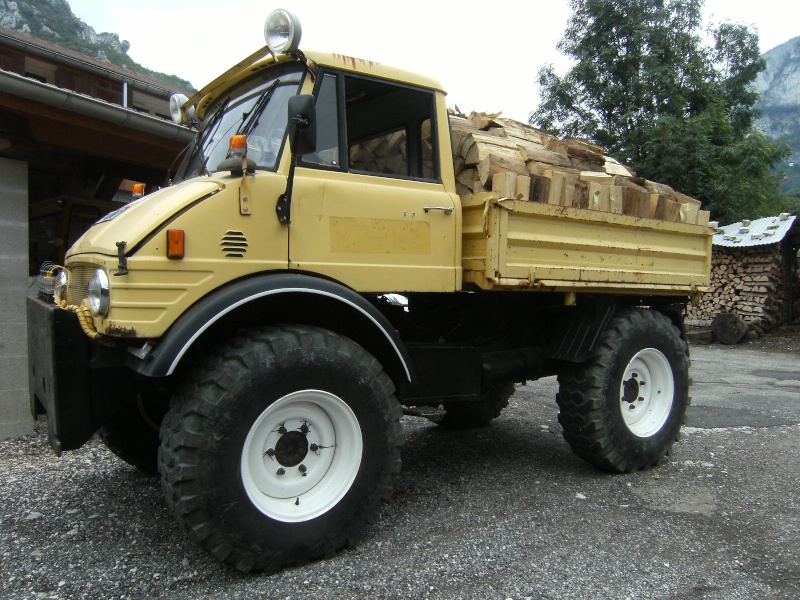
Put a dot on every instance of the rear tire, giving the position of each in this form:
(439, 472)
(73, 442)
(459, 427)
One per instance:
(622, 410)
(280, 447)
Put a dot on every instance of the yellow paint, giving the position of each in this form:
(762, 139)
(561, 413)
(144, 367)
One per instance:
(380, 236)
(580, 249)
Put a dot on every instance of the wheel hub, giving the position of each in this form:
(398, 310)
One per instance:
(301, 455)
(630, 389)
(291, 448)
(647, 392)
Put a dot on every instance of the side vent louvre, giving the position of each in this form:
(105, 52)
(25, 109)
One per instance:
(234, 244)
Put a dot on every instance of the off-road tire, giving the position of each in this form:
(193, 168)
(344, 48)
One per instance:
(468, 415)
(134, 437)
(647, 348)
(271, 385)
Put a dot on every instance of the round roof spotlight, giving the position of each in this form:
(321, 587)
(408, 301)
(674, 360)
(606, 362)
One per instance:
(282, 32)
(176, 101)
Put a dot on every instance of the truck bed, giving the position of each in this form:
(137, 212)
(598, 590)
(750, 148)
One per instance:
(517, 244)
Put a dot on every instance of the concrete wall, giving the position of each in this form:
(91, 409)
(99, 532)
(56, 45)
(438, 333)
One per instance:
(15, 415)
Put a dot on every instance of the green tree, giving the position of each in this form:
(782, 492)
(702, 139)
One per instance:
(648, 87)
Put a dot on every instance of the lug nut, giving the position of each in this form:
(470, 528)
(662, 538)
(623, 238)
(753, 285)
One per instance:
(280, 471)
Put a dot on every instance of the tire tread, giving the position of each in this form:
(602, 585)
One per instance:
(193, 409)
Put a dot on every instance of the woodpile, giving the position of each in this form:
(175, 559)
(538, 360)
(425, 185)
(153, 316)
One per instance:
(747, 282)
(516, 160)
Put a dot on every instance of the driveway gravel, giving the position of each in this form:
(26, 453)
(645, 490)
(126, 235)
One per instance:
(503, 512)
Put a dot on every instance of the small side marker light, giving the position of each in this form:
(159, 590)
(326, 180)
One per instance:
(175, 243)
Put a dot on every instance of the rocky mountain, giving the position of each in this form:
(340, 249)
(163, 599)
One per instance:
(53, 20)
(779, 86)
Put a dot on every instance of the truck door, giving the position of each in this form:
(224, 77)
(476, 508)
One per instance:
(368, 207)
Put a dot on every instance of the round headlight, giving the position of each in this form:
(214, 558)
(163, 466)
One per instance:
(282, 32)
(98, 293)
(60, 285)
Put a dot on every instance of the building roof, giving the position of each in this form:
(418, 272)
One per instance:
(67, 100)
(759, 232)
(58, 53)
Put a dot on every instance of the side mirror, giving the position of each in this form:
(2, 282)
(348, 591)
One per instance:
(302, 124)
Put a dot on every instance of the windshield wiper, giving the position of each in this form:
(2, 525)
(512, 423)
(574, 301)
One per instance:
(251, 119)
(213, 124)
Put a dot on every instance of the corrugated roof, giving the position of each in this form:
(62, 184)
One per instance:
(759, 232)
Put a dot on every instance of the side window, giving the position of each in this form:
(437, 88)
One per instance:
(327, 154)
(389, 129)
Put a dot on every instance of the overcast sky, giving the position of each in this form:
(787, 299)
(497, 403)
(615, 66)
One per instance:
(486, 55)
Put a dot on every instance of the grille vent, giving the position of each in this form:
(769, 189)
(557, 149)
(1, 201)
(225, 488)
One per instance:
(77, 289)
(234, 244)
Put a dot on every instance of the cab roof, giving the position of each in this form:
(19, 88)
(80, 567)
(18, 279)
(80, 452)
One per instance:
(263, 59)
(368, 67)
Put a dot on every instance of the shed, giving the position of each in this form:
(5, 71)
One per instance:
(754, 273)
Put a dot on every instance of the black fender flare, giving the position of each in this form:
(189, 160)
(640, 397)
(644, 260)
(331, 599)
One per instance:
(163, 359)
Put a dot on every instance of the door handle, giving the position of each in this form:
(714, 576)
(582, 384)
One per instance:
(447, 209)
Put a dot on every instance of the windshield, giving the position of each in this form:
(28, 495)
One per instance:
(255, 108)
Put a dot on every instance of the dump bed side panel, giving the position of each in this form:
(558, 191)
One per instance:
(509, 243)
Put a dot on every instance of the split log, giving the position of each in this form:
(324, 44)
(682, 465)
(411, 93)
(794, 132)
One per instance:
(498, 161)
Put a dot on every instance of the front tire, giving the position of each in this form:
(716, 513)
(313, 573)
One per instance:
(622, 410)
(280, 447)
(132, 435)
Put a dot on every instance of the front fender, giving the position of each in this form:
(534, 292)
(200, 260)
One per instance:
(240, 295)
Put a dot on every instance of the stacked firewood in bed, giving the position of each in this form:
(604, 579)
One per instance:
(519, 161)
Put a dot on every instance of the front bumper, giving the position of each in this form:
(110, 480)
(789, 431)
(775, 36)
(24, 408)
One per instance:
(79, 384)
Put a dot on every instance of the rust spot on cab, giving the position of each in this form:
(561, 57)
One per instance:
(117, 331)
(354, 62)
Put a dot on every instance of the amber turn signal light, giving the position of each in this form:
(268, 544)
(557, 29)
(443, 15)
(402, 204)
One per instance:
(238, 145)
(175, 243)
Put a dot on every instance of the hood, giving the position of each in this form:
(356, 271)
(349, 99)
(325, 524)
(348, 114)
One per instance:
(135, 221)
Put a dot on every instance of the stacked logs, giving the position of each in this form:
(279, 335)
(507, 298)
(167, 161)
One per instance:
(518, 161)
(747, 282)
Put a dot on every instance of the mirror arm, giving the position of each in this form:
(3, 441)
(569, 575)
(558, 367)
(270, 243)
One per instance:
(285, 200)
(301, 117)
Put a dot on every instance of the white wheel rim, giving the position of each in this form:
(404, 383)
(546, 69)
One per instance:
(647, 392)
(301, 456)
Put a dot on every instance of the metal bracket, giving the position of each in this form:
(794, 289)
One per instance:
(122, 267)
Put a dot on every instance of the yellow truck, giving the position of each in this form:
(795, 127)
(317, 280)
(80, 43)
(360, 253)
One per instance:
(254, 332)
